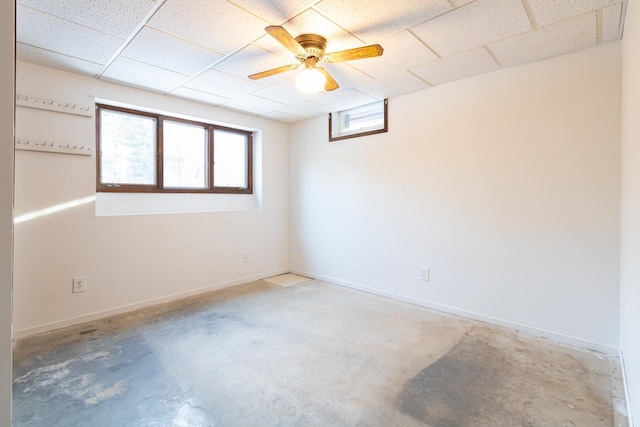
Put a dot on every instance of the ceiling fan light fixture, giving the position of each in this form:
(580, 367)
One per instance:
(311, 80)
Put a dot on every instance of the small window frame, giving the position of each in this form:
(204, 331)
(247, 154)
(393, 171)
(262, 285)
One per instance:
(356, 134)
(159, 162)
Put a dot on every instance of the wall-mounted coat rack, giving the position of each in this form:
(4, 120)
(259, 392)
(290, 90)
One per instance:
(52, 147)
(62, 107)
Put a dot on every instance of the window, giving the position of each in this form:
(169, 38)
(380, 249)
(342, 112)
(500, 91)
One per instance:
(359, 121)
(146, 152)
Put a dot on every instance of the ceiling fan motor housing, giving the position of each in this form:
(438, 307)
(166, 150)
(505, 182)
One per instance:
(314, 44)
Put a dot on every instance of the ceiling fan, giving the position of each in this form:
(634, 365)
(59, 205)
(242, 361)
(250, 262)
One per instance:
(309, 49)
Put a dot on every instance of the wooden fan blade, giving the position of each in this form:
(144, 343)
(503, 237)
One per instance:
(273, 72)
(356, 53)
(330, 83)
(286, 40)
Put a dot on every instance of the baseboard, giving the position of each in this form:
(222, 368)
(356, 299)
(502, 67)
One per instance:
(532, 330)
(626, 389)
(47, 327)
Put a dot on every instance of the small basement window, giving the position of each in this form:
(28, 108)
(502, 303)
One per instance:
(359, 121)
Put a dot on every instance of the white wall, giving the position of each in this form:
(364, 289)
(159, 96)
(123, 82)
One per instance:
(7, 31)
(128, 260)
(630, 266)
(505, 185)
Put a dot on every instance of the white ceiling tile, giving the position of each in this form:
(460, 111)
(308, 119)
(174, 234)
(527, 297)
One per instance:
(50, 59)
(196, 95)
(311, 21)
(222, 84)
(270, 44)
(343, 100)
(116, 17)
(394, 85)
(253, 104)
(48, 32)
(306, 110)
(547, 12)
(251, 60)
(611, 22)
(215, 24)
(574, 34)
(273, 12)
(401, 51)
(136, 73)
(282, 117)
(286, 92)
(470, 63)
(374, 21)
(165, 51)
(473, 25)
(345, 75)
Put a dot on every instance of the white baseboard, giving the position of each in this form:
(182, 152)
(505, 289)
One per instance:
(23, 333)
(532, 330)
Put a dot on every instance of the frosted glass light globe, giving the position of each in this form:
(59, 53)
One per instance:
(310, 80)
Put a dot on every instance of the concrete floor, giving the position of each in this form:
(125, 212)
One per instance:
(313, 354)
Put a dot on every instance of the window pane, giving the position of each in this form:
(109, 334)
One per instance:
(128, 148)
(185, 155)
(364, 119)
(230, 159)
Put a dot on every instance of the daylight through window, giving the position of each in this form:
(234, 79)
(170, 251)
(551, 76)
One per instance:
(145, 152)
(359, 121)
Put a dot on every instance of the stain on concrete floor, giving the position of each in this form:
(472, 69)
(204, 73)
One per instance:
(481, 382)
(313, 355)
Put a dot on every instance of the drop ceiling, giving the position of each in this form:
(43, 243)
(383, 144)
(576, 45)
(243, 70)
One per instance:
(204, 49)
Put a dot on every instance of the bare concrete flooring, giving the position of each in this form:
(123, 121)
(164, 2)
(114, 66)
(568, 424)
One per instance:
(310, 355)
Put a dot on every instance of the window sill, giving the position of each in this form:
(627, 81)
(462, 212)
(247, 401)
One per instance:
(118, 204)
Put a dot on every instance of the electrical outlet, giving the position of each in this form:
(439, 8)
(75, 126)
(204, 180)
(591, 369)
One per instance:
(424, 274)
(245, 257)
(79, 284)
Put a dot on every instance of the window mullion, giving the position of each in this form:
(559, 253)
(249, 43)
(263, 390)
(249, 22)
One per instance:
(160, 153)
(210, 157)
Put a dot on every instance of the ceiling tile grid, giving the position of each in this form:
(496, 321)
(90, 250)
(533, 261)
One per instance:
(274, 12)
(222, 84)
(374, 21)
(214, 24)
(253, 59)
(397, 84)
(282, 117)
(204, 50)
(286, 92)
(346, 75)
(253, 104)
(48, 32)
(549, 12)
(115, 17)
(313, 22)
(138, 74)
(306, 109)
(196, 95)
(574, 34)
(470, 63)
(401, 51)
(474, 25)
(171, 53)
(348, 98)
(50, 59)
